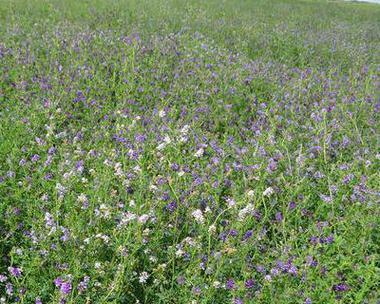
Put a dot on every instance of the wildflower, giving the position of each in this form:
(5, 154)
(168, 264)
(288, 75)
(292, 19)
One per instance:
(212, 229)
(249, 284)
(230, 284)
(279, 217)
(237, 301)
(230, 202)
(65, 288)
(181, 280)
(268, 278)
(248, 235)
(143, 218)
(199, 153)
(143, 277)
(198, 215)
(340, 287)
(162, 114)
(83, 285)
(251, 193)
(9, 289)
(326, 198)
(197, 290)
(268, 191)
(14, 271)
(35, 158)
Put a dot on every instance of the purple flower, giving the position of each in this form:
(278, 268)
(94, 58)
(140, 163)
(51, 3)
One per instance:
(65, 287)
(16, 272)
(340, 287)
(197, 291)
(175, 167)
(181, 280)
(292, 205)
(9, 289)
(38, 301)
(230, 284)
(140, 138)
(249, 283)
(238, 301)
(58, 282)
(83, 285)
(279, 217)
(247, 235)
(79, 166)
(35, 158)
(3, 278)
(172, 206)
(293, 270)
(52, 150)
(308, 301)
(326, 198)
(272, 165)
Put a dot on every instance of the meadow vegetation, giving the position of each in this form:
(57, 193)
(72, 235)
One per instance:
(189, 151)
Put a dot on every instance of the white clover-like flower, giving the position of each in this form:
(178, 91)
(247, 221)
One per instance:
(199, 153)
(82, 198)
(161, 146)
(185, 130)
(162, 114)
(143, 218)
(212, 229)
(143, 277)
(245, 211)
(268, 191)
(231, 202)
(251, 193)
(198, 215)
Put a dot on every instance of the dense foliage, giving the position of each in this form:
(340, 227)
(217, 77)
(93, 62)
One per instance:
(189, 151)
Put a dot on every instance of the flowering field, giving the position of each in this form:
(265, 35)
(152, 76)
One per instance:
(189, 152)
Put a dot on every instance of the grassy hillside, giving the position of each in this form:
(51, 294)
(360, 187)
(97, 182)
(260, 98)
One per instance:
(189, 151)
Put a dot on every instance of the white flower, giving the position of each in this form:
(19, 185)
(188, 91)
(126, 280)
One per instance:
(127, 217)
(143, 218)
(212, 229)
(167, 139)
(230, 202)
(198, 215)
(162, 114)
(179, 253)
(81, 198)
(250, 193)
(245, 211)
(143, 277)
(268, 191)
(137, 169)
(153, 259)
(185, 129)
(161, 146)
(199, 153)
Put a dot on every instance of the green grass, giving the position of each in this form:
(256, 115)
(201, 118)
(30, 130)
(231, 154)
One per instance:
(139, 140)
